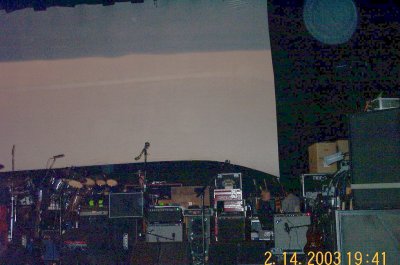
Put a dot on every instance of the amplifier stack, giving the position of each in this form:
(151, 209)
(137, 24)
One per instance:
(228, 202)
(164, 224)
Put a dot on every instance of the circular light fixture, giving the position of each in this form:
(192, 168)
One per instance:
(330, 21)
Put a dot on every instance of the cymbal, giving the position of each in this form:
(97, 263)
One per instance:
(100, 182)
(74, 184)
(111, 182)
(89, 182)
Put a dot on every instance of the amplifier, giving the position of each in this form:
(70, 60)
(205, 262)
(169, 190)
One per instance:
(164, 233)
(257, 233)
(230, 228)
(164, 214)
(314, 184)
(197, 212)
(290, 232)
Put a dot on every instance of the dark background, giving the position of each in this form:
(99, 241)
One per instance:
(317, 84)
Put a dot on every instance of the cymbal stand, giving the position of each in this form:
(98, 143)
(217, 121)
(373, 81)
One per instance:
(13, 215)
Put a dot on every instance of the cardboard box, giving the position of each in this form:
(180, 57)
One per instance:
(316, 154)
(342, 146)
(186, 196)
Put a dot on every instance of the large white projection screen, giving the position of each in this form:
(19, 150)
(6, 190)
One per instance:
(194, 78)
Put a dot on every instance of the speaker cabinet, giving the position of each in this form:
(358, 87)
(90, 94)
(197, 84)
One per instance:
(223, 254)
(375, 159)
(230, 229)
(369, 232)
(123, 234)
(160, 253)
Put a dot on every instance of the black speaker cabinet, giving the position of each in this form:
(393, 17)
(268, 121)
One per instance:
(230, 228)
(160, 253)
(123, 234)
(375, 159)
(373, 233)
(252, 252)
(224, 253)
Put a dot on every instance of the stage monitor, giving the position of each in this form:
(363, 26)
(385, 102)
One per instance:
(126, 205)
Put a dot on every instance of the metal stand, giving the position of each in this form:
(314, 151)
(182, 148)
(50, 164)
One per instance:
(13, 215)
(203, 224)
(145, 153)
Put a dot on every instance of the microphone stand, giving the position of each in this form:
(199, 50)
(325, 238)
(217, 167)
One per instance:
(42, 196)
(145, 153)
(13, 201)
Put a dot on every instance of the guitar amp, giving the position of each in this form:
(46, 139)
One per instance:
(164, 214)
(290, 232)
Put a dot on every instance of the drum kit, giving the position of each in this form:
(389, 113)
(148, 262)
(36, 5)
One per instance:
(62, 194)
(76, 191)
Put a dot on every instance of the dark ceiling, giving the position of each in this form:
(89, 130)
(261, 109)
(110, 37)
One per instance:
(41, 5)
(318, 84)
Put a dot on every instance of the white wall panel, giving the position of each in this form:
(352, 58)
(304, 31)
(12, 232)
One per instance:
(208, 101)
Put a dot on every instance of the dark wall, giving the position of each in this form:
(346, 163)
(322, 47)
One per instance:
(318, 84)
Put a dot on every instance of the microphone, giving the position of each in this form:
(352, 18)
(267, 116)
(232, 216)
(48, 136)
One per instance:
(58, 156)
(146, 146)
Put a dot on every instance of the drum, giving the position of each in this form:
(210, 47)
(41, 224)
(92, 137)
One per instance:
(58, 184)
(75, 195)
(74, 203)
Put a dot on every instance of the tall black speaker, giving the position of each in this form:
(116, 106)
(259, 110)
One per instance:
(375, 159)
(230, 229)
